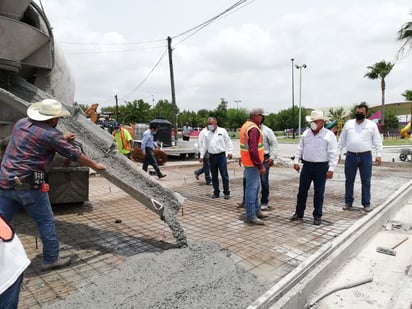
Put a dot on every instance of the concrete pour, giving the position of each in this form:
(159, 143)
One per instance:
(201, 275)
(99, 146)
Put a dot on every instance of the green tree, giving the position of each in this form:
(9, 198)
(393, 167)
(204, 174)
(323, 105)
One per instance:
(166, 110)
(380, 70)
(137, 111)
(405, 36)
(407, 95)
(221, 113)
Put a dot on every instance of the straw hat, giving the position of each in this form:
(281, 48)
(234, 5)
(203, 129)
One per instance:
(316, 115)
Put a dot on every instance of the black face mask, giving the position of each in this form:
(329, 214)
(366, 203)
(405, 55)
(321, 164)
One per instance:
(359, 116)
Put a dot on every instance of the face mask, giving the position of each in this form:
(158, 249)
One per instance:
(210, 127)
(359, 116)
(313, 126)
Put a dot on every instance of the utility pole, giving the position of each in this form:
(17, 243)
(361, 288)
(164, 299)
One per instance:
(172, 82)
(117, 108)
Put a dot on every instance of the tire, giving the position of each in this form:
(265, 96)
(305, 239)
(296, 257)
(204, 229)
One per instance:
(402, 157)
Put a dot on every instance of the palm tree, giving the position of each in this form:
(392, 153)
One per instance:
(380, 70)
(407, 95)
(405, 35)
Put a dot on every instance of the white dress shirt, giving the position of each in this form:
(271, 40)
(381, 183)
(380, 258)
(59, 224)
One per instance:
(322, 147)
(217, 141)
(360, 137)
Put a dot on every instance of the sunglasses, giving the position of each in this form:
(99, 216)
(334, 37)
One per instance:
(6, 231)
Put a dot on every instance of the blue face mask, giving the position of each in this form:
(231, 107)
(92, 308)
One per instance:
(210, 127)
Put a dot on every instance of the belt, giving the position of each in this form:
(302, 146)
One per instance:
(307, 162)
(216, 154)
(359, 153)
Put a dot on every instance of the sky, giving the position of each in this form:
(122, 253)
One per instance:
(120, 48)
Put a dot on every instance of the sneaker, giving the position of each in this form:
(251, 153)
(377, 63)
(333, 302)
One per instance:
(61, 262)
(296, 218)
(227, 196)
(265, 207)
(260, 215)
(317, 221)
(254, 221)
(196, 175)
(162, 176)
(347, 207)
(367, 208)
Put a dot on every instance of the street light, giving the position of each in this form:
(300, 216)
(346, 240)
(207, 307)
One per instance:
(237, 103)
(300, 67)
(293, 100)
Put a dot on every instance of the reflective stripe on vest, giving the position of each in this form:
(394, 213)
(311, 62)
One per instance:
(244, 144)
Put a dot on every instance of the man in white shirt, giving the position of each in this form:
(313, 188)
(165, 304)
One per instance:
(270, 144)
(318, 150)
(13, 262)
(217, 144)
(359, 135)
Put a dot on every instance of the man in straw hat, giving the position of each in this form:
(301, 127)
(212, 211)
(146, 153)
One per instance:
(32, 146)
(318, 150)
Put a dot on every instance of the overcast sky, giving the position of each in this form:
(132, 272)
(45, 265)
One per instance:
(244, 56)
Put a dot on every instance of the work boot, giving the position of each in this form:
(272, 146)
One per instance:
(254, 221)
(347, 207)
(260, 215)
(61, 262)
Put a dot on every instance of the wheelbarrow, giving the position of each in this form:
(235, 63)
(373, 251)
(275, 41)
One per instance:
(406, 154)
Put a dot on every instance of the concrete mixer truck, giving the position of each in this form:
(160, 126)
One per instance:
(32, 68)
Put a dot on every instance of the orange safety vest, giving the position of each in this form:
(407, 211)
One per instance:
(244, 144)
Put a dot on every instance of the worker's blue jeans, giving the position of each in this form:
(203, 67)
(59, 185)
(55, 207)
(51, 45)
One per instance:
(9, 299)
(362, 161)
(251, 176)
(316, 172)
(37, 206)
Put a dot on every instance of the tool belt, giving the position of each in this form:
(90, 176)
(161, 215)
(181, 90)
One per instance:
(37, 182)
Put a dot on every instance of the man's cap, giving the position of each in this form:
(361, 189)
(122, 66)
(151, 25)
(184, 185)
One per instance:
(116, 125)
(47, 109)
(316, 115)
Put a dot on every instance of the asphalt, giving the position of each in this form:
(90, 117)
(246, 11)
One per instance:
(105, 232)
